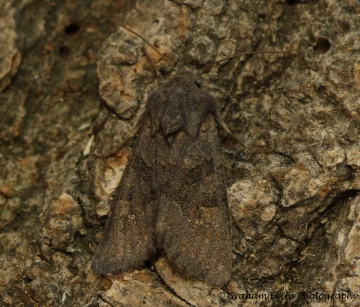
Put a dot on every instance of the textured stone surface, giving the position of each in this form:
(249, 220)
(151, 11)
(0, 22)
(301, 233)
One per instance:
(10, 56)
(294, 206)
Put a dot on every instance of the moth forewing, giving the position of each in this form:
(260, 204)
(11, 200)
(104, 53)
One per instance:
(172, 195)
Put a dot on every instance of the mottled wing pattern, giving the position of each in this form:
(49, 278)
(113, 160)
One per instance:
(193, 220)
(172, 194)
(129, 233)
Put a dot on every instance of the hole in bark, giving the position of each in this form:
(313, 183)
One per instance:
(72, 29)
(292, 2)
(322, 45)
(64, 51)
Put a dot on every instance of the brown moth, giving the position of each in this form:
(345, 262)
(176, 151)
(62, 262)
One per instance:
(172, 196)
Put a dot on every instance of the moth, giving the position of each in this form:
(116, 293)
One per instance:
(172, 196)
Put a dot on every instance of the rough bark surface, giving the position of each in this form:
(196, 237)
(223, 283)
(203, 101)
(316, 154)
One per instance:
(295, 206)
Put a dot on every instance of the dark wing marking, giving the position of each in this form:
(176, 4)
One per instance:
(193, 219)
(129, 233)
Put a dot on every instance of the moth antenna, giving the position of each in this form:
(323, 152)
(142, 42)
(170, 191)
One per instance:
(240, 54)
(151, 64)
(138, 35)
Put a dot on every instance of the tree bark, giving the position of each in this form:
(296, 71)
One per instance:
(293, 192)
